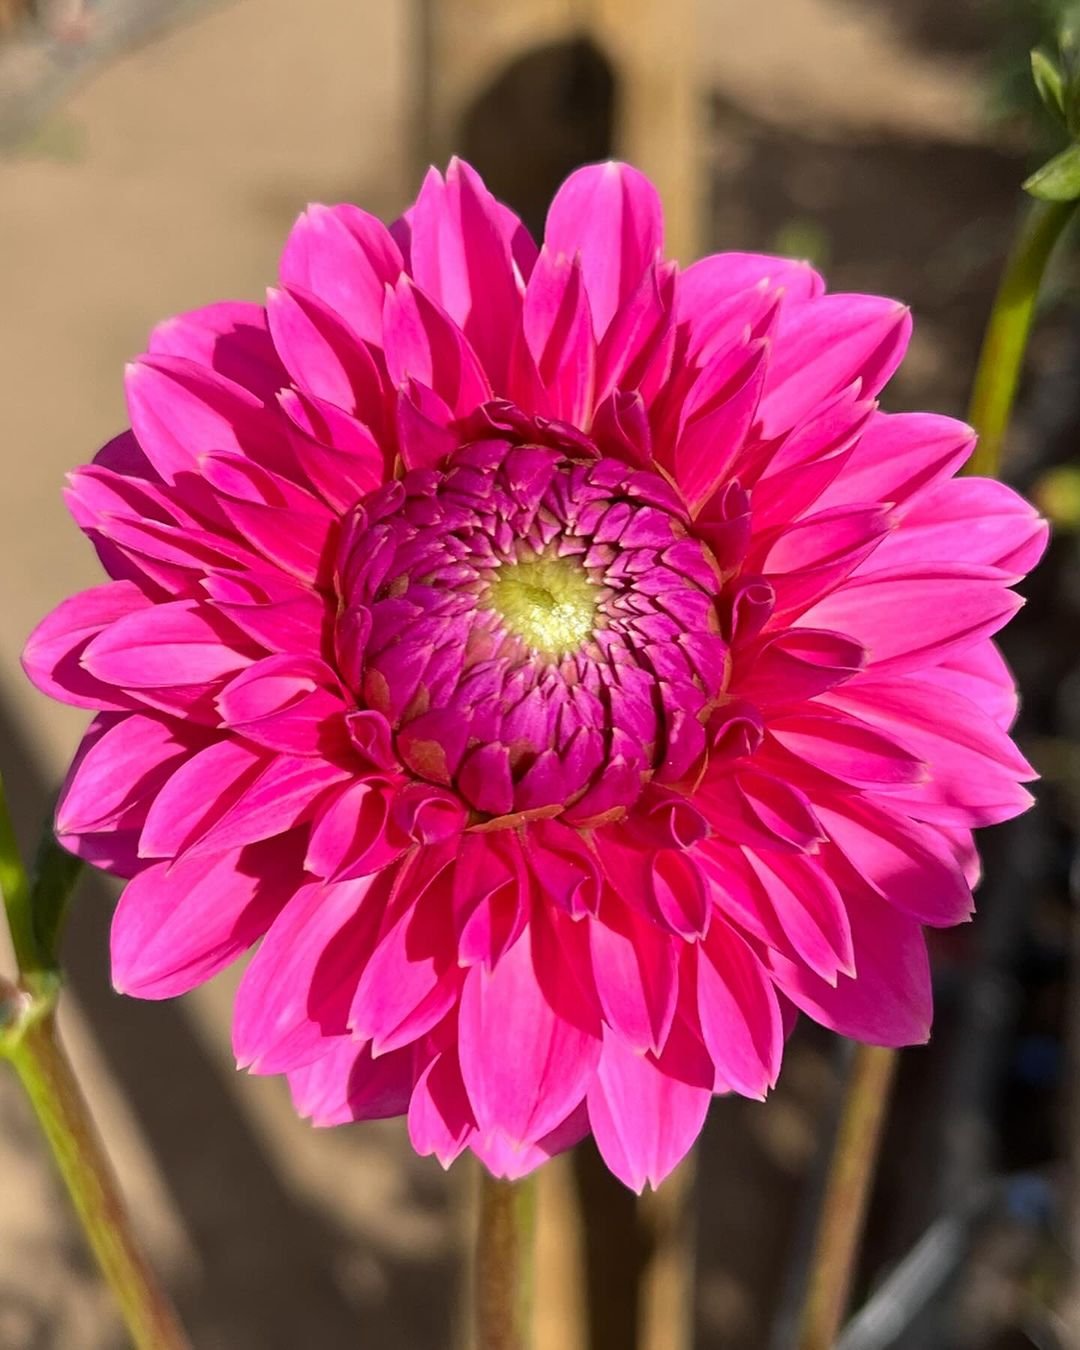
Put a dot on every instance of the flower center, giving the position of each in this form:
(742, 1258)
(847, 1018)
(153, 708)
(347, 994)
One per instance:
(548, 602)
(538, 629)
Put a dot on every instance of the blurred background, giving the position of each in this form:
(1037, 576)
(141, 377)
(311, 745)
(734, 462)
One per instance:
(153, 154)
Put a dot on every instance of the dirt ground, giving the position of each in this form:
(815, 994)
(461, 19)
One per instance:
(169, 180)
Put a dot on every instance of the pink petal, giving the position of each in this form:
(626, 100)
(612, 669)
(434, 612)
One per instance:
(971, 520)
(903, 862)
(822, 346)
(558, 331)
(121, 764)
(197, 795)
(53, 654)
(288, 703)
(180, 410)
(440, 1117)
(847, 748)
(644, 1120)
(346, 258)
(636, 971)
(740, 1018)
(423, 343)
(609, 215)
(946, 608)
(349, 1083)
(296, 992)
(411, 980)
(178, 924)
(231, 338)
(889, 1001)
(459, 253)
(524, 1067)
(899, 454)
(179, 643)
(323, 356)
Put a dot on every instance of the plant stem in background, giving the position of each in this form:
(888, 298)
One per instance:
(29, 1039)
(506, 1226)
(854, 1159)
(1001, 357)
(847, 1195)
(38, 1058)
(15, 886)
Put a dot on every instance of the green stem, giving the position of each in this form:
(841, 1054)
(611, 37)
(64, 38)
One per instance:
(33, 1046)
(15, 885)
(29, 1039)
(506, 1225)
(847, 1196)
(1005, 340)
(858, 1139)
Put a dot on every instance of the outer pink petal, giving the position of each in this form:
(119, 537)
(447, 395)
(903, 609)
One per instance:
(610, 215)
(411, 980)
(972, 520)
(179, 643)
(296, 992)
(122, 762)
(524, 1066)
(889, 1001)
(898, 455)
(643, 1120)
(180, 410)
(722, 275)
(231, 338)
(459, 253)
(904, 862)
(348, 1083)
(440, 1117)
(346, 258)
(52, 657)
(740, 1019)
(946, 608)
(823, 345)
(178, 924)
(635, 965)
(507, 1158)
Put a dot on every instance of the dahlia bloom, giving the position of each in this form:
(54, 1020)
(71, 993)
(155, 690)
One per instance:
(553, 656)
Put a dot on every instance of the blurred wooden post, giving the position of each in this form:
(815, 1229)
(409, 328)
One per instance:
(461, 47)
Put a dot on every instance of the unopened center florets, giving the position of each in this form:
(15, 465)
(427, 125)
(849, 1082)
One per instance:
(538, 627)
(548, 602)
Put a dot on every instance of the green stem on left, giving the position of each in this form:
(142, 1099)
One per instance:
(1001, 357)
(30, 1041)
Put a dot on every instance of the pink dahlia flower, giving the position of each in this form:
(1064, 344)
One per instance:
(553, 656)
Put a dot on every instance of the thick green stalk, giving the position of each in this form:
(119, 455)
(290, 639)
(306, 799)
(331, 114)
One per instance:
(34, 1049)
(15, 886)
(505, 1237)
(1001, 357)
(29, 1039)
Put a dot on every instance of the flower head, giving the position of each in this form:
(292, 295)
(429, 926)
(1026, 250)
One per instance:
(554, 657)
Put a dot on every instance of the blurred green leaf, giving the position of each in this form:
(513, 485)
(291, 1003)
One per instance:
(1048, 82)
(1059, 178)
(52, 881)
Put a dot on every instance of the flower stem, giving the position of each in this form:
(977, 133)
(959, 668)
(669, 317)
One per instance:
(997, 376)
(506, 1226)
(847, 1195)
(29, 1039)
(34, 1049)
(15, 886)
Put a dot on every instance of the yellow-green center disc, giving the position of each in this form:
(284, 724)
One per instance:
(549, 603)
